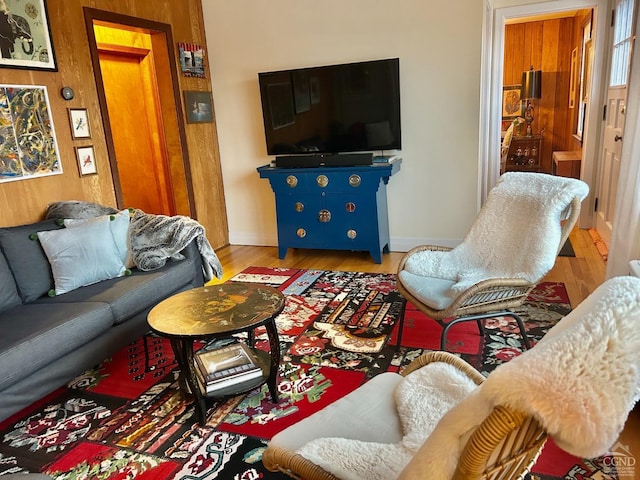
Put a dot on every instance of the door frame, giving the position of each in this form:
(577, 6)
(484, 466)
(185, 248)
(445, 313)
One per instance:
(91, 15)
(489, 164)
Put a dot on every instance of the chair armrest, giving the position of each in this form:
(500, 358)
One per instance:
(444, 357)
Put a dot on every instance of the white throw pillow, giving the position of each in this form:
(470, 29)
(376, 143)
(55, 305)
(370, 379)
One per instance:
(82, 255)
(119, 226)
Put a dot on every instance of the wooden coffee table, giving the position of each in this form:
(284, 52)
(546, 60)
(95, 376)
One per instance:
(219, 311)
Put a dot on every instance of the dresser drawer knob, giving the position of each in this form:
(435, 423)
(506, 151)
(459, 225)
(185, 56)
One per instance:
(350, 207)
(355, 180)
(292, 181)
(322, 180)
(299, 207)
(352, 234)
(324, 216)
(301, 232)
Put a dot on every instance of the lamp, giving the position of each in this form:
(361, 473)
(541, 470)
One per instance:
(531, 89)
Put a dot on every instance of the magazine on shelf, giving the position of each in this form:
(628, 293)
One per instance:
(220, 364)
(210, 387)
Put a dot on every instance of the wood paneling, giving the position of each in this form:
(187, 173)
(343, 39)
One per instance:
(25, 201)
(546, 45)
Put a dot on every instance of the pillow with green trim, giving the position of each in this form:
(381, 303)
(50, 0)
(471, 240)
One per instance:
(82, 255)
(119, 225)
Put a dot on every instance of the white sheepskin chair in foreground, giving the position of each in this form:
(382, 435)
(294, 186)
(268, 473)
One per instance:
(442, 420)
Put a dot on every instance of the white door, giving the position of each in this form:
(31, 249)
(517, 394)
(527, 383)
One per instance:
(609, 162)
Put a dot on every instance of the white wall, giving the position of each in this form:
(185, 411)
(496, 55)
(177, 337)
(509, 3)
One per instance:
(434, 196)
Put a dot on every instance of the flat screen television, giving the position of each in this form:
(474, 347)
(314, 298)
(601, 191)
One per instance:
(332, 109)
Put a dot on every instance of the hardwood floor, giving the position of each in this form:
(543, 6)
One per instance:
(580, 274)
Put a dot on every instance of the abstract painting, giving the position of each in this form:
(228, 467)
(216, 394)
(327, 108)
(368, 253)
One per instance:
(28, 146)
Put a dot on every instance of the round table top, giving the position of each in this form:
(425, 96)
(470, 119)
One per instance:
(216, 309)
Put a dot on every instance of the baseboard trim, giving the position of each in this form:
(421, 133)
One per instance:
(396, 244)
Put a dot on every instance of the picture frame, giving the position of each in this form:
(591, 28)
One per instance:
(191, 60)
(86, 160)
(79, 122)
(512, 104)
(28, 27)
(29, 148)
(199, 106)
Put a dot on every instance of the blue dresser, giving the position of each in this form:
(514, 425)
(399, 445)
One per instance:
(334, 208)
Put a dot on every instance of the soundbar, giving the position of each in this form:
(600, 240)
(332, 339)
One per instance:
(324, 160)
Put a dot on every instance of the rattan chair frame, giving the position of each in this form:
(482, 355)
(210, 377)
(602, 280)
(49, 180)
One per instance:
(504, 446)
(489, 298)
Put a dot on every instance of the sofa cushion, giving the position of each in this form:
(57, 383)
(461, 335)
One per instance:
(8, 292)
(27, 260)
(35, 335)
(119, 226)
(132, 294)
(82, 255)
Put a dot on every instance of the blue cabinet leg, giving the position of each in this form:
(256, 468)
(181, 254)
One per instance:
(377, 255)
(282, 252)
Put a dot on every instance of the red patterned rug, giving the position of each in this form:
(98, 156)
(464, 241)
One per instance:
(127, 417)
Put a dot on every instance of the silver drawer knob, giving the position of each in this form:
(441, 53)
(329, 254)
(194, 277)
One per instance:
(301, 232)
(299, 207)
(355, 180)
(292, 181)
(352, 234)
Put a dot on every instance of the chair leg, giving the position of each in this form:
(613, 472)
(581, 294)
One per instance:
(479, 318)
(401, 326)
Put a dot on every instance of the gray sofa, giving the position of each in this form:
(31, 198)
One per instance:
(45, 340)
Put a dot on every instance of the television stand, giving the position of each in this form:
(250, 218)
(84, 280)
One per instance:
(324, 160)
(332, 208)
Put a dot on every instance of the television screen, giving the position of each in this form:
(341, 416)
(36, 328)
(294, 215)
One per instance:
(352, 107)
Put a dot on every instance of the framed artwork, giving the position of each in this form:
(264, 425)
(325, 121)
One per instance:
(28, 148)
(199, 106)
(281, 105)
(79, 123)
(191, 60)
(512, 105)
(301, 92)
(25, 39)
(86, 160)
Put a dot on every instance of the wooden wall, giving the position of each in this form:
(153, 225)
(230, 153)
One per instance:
(25, 201)
(546, 45)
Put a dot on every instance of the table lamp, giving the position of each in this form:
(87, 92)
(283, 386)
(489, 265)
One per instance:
(531, 89)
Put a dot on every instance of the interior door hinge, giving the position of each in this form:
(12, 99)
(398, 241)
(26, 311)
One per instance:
(595, 205)
(613, 17)
(604, 112)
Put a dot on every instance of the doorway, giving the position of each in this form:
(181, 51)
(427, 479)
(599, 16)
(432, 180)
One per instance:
(591, 135)
(134, 67)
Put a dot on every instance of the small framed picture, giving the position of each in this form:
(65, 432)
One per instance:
(79, 123)
(199, 106)
(86, 160)
(512, 101)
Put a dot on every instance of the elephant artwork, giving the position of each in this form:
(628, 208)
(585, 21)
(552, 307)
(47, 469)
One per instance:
(25, 39)
(13, 27)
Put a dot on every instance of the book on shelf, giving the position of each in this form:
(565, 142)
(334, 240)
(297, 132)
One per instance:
(226, 366)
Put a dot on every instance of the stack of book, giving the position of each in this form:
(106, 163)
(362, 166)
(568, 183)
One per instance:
(226, 366)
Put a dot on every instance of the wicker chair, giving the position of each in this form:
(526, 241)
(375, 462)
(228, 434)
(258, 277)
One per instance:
(498, 294)
(504, 446)
(469, 427)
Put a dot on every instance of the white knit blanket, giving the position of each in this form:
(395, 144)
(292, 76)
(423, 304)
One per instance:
(580, 382)
(515, 235)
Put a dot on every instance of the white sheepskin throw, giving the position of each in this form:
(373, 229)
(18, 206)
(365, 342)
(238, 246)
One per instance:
(422, 398)
(515, 235)
(583, 378)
